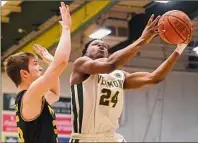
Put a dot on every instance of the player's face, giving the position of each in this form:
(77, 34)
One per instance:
(35, 70)
(97, 49)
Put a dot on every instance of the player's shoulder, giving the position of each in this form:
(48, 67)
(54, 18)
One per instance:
(119, 74)
(85, 59)
(81, 60)
(119, 71)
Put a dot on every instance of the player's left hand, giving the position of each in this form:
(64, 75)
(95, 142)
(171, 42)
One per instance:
(65, 15)
(43, 53)
(150, 30)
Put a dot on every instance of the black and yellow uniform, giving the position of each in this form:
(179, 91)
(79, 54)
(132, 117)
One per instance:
(42, 129)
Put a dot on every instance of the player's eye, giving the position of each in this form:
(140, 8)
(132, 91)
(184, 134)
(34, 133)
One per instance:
(95, 44)
(35, 62)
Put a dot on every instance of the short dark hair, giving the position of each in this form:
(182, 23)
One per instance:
(87, 45)
(14, 63)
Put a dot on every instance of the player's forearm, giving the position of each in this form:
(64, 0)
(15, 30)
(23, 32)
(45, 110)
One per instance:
(162, 71)
(61, 57)
(121, 57)
(64, 47)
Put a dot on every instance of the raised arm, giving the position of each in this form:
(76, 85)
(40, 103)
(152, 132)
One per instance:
(44, 83)
(105, 65)
(53, 95)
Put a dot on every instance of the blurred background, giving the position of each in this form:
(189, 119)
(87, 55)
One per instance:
(164, 112)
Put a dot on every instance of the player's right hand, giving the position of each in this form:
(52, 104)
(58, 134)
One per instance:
(150, 31)
(65, 15)
(43, 53)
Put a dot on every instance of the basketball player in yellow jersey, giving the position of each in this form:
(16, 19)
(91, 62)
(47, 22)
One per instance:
(97, 86)
(34, 116)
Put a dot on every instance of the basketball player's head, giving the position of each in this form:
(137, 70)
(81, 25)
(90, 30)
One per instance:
(95, 48)
(22, 68)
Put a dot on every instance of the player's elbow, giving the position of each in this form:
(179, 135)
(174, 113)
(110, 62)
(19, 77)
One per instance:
(53, 99)
(156, 81)
(63, 63)
(57, 97)
(155, 78)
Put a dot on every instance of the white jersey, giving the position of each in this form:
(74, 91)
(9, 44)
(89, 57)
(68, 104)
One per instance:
(97, 103)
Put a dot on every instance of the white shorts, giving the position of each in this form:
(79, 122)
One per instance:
(105, 137)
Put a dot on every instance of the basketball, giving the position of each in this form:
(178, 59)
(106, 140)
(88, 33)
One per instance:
(177, 26)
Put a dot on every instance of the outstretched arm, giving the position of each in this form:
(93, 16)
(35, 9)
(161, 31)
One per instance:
(142, 79)
(105, 65)
(44, 83)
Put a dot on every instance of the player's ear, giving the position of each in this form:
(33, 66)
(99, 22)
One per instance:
(24, 74)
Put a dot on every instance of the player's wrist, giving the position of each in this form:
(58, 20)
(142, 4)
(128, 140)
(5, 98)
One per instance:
(66, 27)
(142, 40)
(180, 48)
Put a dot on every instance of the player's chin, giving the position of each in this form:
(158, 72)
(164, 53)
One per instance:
(106, 55)
(100, 56)
(35, 77)
(39, 74)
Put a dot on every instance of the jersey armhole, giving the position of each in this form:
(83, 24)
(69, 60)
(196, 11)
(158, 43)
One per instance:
(26, 120)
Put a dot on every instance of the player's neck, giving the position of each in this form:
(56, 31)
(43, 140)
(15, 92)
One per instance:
(23, 86)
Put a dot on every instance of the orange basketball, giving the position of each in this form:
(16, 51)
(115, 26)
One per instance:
(177, 26)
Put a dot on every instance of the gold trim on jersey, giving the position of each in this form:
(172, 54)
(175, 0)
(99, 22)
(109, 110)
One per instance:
(54, 122)
(51, 110)
(17, 118)
(20, 132)
(16, 107)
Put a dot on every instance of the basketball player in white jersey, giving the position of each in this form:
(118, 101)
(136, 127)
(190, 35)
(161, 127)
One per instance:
(98, 87)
